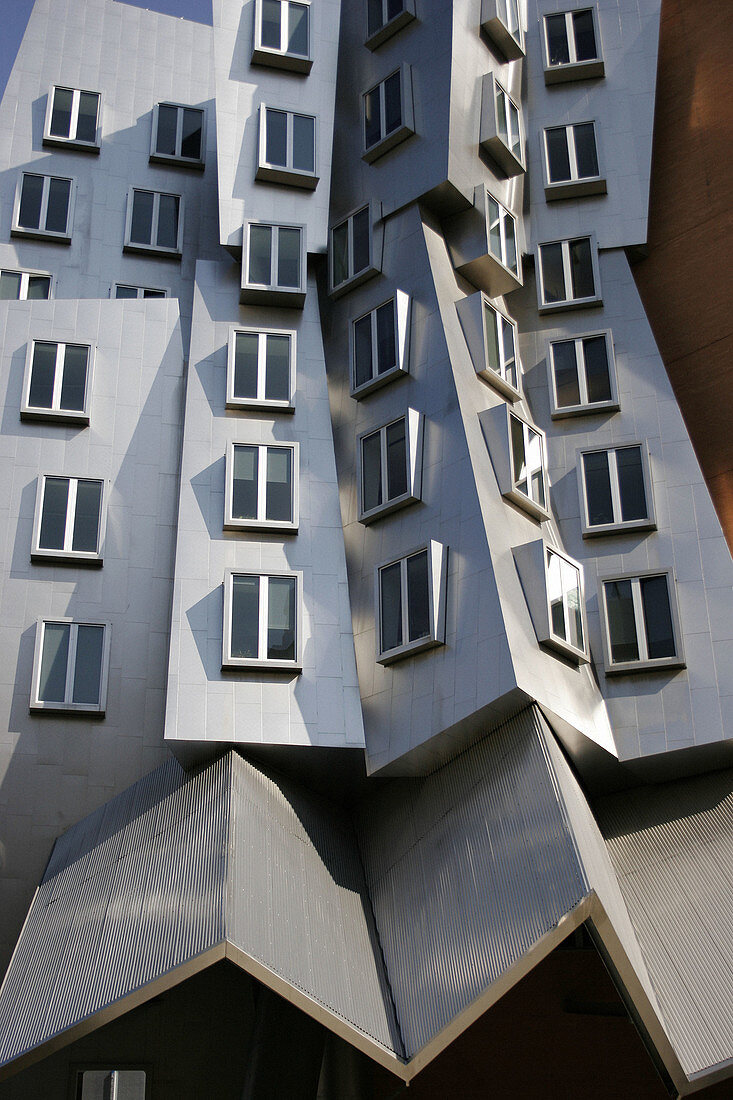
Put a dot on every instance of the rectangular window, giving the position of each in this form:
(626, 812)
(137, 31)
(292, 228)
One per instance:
(282, 35)
(500, 23)
(387, 114)
(379, 345)
(502, 231)
(44, 207)
(501, 349)
(69, 520)
(70, 666)
(262, 621)
(261, 369)
(110, 1084)
(507, 124)
(571, 161)
(122, 290)
(262, 487)
(529, 468)
(572, 46)
(385, 18)
(582, 375)
(568, 274)
(351, 251)
(641, 627)
(274, 264)
(57, 381)
(565, 602)
(390, 466)
(411, 603)
(615, 490)
(23, 286)
(177, 135)
(154, 222)
(72, 119)
(287, 148)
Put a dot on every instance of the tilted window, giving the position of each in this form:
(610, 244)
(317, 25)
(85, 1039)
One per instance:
(23, 286)
(568, 274)
(390, 466)
(44, 207)
(261, 369)
(57, 381)
(122, 290)
(411, 595)
(351, 251)
(72, 119)
(582, 375)
(571, 161)
(262, 487)
(572, 46)
(69, 523)
(641, 628)
(287, 148)
(529, 466)
(70, 666)
(615, 490)
(500, 335)
(178, 135)
(500, 23)
(154, 222)
(273, 266)
(380, 344)
(553, 588)
(502, 228)
(387, 113)
(385, 18)
(282, 35)
(501, 130)
(262, 628)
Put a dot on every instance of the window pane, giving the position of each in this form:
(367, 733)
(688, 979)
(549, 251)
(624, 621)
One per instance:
(492, 339)
(165, 141)
(371, 471)
(57, 214)
(510, 360)
(147, 293)
(340, 253)
(304, 143)
(361, 239)
(245, 615)
(598, 488)
(281, 619)
(555, 596)
(288, 257)
(39, 286)
(277, 371)
(54, 662)
(29, 215)
(391, 606)
(510, 244)
(86, 516)
(392, 102)
(418, 600)
(572, 597)
(598, 379)
(557, 40)
(260, 251)
(141, 229)
(168, 221)
(372, 118)
(631, 483)
(535, 469)
(86, 124)
(553, 280)
(657, 617)
(510, 17)
(10, 285)
(621, 622)
(514, 142)
(494, 228)
(276, 138)
(245, 364)
(581, 268)
(191, 136)
(585, 149)
(501, 122)
(566, 373)
(271, 24)
(125, 291)
(374, 16)
(558, 157)
(396, 460)
(74, 380)
(43, 370)
(298, 29)
(61, 112)
(394, 7)
(53, 513)
(386, 345)
(363, 349)
(585, 39)
(244, 483)
(279, 484)
(519, 466)
(88, 669)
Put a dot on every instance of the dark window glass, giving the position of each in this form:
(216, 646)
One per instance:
(555, 595)
(581, 268)
(54, 662)
(553, 279)
(43, 371)
(557, 40)
(271, 24)
(519, 463)
(396, 459)
(391, 605)
(57, 214)
(304, 143)
(10, 285)
(148, 293)
(88, 667)
(31, 193)
(245, 364)
(141, 228)
(276, 140)
(279, 498)
(74, 381)
(394, 7)
(361, 239)
(260, 254)
(281, 619)
(598, 488)
(167, 125)
(168, 221)
(492, 339)
(566, 373)
(585, 38)
(53, 513)
(191, 134)
(657, 617)
(631, 484)
(374, 16)
(86, 123)
(277, 368)
(61, 113)
(298, 29)
(585, 149)
(245, 615)
(372, 118)
(597, 374)
(510, 362)
(621, 621)
(371, 471)
(244, 483)
(86, 516)
(392, 103)
(288, 257)
(418, 601)
(363, 350)
(386, 346)
(340, 253)
(558, 156)
(125, 291)
(39, 286)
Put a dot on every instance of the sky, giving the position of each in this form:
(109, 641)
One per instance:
(14, 17)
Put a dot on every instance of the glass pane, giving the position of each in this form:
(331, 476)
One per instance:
(277, 369)
(260, 252)
(165, 141)
(281, 619)
(565, 367)
(9, 285)
(597, 375)
(492, 339)
(363, 350)
(557, 40)
(86, 123)
(418, 599)
(245, 364)
(57, 213)
(553, 280)
(585, 39)
(494, 228)
(86, 516)
(43, 370)
(621, 622)
(245, 615)
(276, 138)
(555, 596)
(585, 150)
(88, 669)
(581, 268)
(39, 286)
(125, 291)
(394, 7)
(371, 471)
(572, 596)
(535, 467)
(298, 29)
(304, 143)
(271, 24)
(514, 141)
(193, 122)
(631, 483)
(372, 118)
(288, 257)
(386, 343)
(168, 221)
(54, 662)
(340, 253)
(244, 483)
(396, 459)
(510, 360)
(61, 112)
(392, 102)
(510, 244)
(53, 513)
(141, 229)
(361, 239)
(598, 488)
(390, 594)
(511, 17)
(558, 158)
(501, 122)
(374, 16)
(74, 380)
(657, 617)
(147, 293)
(519, 465)
(29, 215)
(279, 484)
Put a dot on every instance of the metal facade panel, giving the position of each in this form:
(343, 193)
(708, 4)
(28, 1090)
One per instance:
(671, 849)
(467, 869)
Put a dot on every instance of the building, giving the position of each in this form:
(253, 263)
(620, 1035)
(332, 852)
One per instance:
(367, 622)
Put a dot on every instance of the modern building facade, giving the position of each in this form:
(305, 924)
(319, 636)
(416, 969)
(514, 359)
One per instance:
(367, 622)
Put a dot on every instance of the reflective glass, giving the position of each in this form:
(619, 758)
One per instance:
(298, 29)
(86, 123)
(54, 662)
(510, 358)
(276, 138)
(396, 459)
(657, 617)
(304, 143)
(168, 221)
(288, 257)
(392, 103)
(375, 19)
(585, 150)
(585, 38)
(244, 482)
(558, 157)
(141, 227)
(125, 291)
(418, 599)
(260, 254)
(53, 513)
(10, 285)
(31, 194)
(191, 133)
(581, 268)
(565, 367)
(363, 350)
(386, 346)
(553, 279)
(340, 253)
(372, 118)
(631, 484)
(43, 371)
(88, 667)
(39, 286)
(557, 40)
(371, 471)
(61, 112)
(277, 368)
(245, 616)
(279, 497)
(165, 141)
(57, 213)
(271, 15)
(86, 516)
(492, 339)
(621, 621)
(597, 374)
(74, 380)
(245, 364)
(281, 619)
(390, 586)
(361, 239)
(598, 488)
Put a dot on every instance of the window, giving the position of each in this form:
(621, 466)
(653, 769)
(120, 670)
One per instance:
(502, 234)
(121, 290)
(572, 46)
(615, 490)
(70, 666)
(380, 345)
(110, 1084)
(411, 594)
(57, 382)
(72, 119)
(387, 113)
(44, 207)
(385, 18)
(390, 466)
(571, 161)
(492, 343)
(641, 626)
(351, 251)
(177, 135)
(23, 286)
(565, 602)
(500, 23)
(262, 626)
(154, 222)
(274, 264)
(582, 375)
(282, 35)
(529, 469)
(568, 275)
(261, 369)
(69, 520)
(483, 245)
(501, 135)
(262, 487)
(287, 148)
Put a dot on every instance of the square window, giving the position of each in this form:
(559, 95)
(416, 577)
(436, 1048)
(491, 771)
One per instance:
(615, 490)
(44, 207)
(287, 148)
(70, 666)
(282, 35)
(553, 588)
(24, 286)
(122, 290)
(385, 18)
(387, 114)
(641, 630)
(178, 135)
(154, 223)
(390, 466)
(262, 621)
(571, 161)
(273, 264)
(262, 487)
(501, 128)
(582, 375)
(69, 522)
(261, 369)
(380, 345)
(352, 251)
(572, 46)
(500, 23)
(57, 382)
(73, 119)
(411, 595)
(568, 275)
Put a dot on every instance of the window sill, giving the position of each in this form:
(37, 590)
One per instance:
(388, 29)
(78, 710)
(379, 380)
(389, 142)
(579, 656)
(385, 509)
(574, 70)
(58, 416)
(66, 557)
(72, 143)
(252, 664)
(575, 189)
(536, 511)
(153, 250)
(40, 235)
(596, 409)
(495, 30)
(568, 304)
(292, 178)
(661, 664)
(276, 59)
(253, 405)
(502, 155)
(408, 650)
(506, 389)
(275, 526)
(619, 528)
(354, 281)
(177, 162)
(271, 295)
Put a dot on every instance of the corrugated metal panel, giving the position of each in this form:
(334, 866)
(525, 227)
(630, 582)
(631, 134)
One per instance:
(671, 846)
(467, 869)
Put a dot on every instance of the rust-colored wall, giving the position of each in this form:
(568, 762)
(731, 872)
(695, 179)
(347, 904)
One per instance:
(686, 283)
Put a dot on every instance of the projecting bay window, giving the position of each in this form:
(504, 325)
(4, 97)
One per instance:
(69, 522)
(72, 119)
(70, 666)
(529, 466)
(615, 490)
(273, 265)
(385, 18)
(641, 629)
(261, 370)
(380, 345)
(572, 46)
(553, 588)
(500, 23)
(582, 375)
(501, 134)
(282, 35)
(571, 161)
(287, 148)
(502, 235)
(44, 208)
(411, 596)
(568, 275)
(387, 114)
(177, 135)
(154, 223)
(390, 466)
(261, 487)
(57, 382)
(262, 621)
(352, 251)
(23, 286)
(492, 343)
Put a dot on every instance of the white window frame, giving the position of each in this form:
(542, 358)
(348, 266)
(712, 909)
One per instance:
(260, 401)
(38, 412)
(585, 407)
(25, 277)
(648, 523)
(355, 278)
(260, 662)
(644, 663)
(59, 237)
(498, 379)
(282, 58)
(575, 185)
(158, 250)
(595, 299)
(37, 704)
(495, 26)
(401, 310)
(257, 293)
(72, 142)
(177, 157)
(437, 592)
(407, 116)
(388, 27)
(66, 554)
(555, 640)
(491, 139)
(160, 292)
(573, 69)
(287, 174)
(414, 424)
(232, 523)
(504, 216)
(526, 500)
(532, 562)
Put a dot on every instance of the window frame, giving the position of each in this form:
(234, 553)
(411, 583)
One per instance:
(66, 554)
(154, 249)
(401, 315)
(478, 343)
(596, 299)
(585, 407)
(532, 564)
(25, 277)
(177, 158)
(372, 268)
(437, 559)
(232, 523)
(555, 641)
(524, 500)
(575, 185)
(573, 69)
(388, 27)
(39, 234)
(38, 412)
(618, 526)
(494, 26)
(276, 173)
(406, 128)
(263, 664)
(37, 704)
(281, 58)
(504, 214)
(257, 293)
(72, 142)
(491, 140)
(414, 428)
(260, 403)
(644, 663)
(160, 292)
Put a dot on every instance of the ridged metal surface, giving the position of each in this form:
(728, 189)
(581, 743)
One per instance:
(671, 849)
